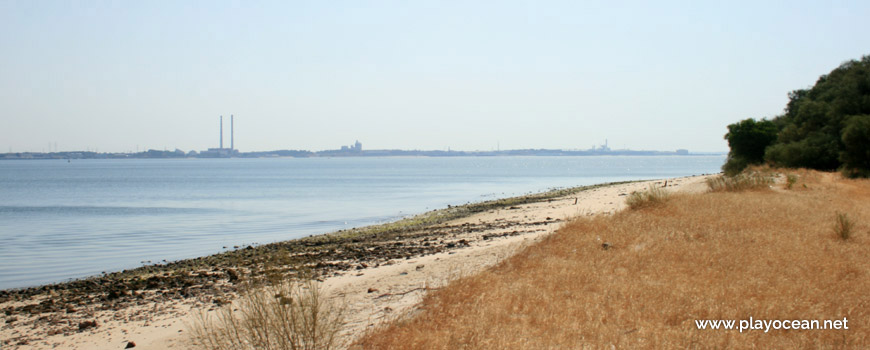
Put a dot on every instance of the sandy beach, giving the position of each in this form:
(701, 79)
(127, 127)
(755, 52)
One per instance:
(380, 274)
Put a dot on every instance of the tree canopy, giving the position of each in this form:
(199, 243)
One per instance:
(748, 140)
(825, 127)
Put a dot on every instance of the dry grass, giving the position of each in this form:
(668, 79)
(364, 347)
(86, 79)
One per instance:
(749, 180)
(286, 316)
(844, 226)
(653, 196)
(721, 255)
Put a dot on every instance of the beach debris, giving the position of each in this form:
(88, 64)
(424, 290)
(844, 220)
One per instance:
(232, 274)
(372, 290)
(84, 325)
(420, 267)
(130, 344)
(606, 245)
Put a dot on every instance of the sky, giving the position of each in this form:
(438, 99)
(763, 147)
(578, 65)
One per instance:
(120, 76)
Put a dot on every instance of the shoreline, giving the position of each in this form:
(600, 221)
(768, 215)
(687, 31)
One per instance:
(43, 316)
(398, 226)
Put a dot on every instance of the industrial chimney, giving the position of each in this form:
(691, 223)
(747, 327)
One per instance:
(222, 132)
(232, 147)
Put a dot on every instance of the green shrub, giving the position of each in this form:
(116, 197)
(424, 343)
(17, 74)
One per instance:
(748, 140)
(790, 180)
(856, 146)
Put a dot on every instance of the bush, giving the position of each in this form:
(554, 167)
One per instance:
(816, 151)
(651, 197)
(790, 180)
(734, 166)
(748, 140)
(288, 316)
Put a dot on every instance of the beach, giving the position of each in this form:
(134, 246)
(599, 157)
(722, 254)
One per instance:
(379, 273)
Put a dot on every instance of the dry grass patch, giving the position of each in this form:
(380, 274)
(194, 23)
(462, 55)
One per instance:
(723, 255)
(653, 196)
(286, 316)
(742, 182)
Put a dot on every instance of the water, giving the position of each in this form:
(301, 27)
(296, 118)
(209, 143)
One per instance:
(61, 220)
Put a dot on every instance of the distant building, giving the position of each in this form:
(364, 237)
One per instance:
(355, 148)
(216, 153)
(600, 149)
(682, 152)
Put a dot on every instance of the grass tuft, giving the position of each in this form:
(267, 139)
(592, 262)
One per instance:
(790, 180)
(844, 225)
(651, 197)
(287, 316)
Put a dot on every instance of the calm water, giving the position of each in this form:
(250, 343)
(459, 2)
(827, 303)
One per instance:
(62, 220)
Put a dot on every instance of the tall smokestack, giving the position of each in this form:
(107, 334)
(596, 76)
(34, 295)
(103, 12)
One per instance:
(222, 131)
(232, 147)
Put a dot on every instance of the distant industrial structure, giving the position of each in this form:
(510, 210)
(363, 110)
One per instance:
(601, 149)
(222, 152)
(354, 150)
(356, 147)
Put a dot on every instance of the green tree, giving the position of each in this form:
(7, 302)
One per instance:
(856, 146)
(811, 132)
(748, 140)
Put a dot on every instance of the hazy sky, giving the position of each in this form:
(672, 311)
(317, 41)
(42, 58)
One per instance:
(468, 75)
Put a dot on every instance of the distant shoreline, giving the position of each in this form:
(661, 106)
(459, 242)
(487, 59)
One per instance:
(178, 154)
